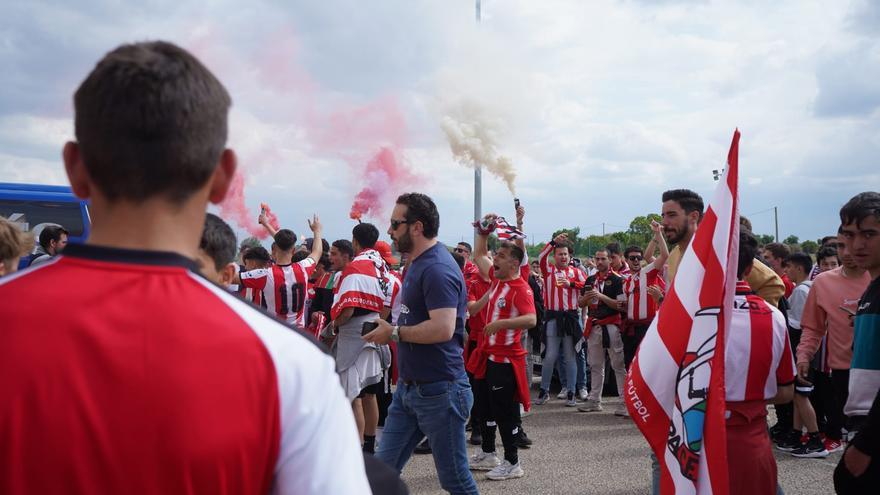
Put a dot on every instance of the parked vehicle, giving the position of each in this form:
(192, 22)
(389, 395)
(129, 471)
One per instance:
(36, 206)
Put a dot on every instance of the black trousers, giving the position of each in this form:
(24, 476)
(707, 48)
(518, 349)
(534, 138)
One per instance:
(845, 483)
(495, 399)
(631, 342)
(839, 396)
(475, 413)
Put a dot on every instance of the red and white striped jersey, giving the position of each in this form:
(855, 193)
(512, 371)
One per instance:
(640, 306)
(558, 298)
(507, 299)
(757, 354)
(285, 288)
(153, 380)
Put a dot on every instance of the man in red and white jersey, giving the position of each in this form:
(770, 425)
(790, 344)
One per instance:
(498, 363)
(151, 379)
(255, 258)
(285, 284)
(562, 284)
(360, 295)
(618, 262)
(640, 306)
(758, 368)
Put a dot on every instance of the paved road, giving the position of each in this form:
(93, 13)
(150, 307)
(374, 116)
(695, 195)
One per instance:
(598, 453)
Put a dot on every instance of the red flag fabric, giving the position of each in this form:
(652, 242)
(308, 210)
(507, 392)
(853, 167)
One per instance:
(675, 387)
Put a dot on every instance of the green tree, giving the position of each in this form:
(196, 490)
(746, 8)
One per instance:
(640, 232)
(810, 247)
(765, 239)
(792, 239)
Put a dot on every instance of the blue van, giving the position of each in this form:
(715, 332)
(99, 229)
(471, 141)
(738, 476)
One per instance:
(34, 206)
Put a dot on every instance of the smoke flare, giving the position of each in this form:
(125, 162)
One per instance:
(472, 136)
(385, 174)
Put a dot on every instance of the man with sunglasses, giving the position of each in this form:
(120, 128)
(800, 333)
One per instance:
(640, 306)
(433, 396)
(469, 270)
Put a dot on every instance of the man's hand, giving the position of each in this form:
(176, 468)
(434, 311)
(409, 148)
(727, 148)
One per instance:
(803, 370)
(491, 328)
(856, 461)
(381, 335)
(315, 225)
(262, 218)
(655, 292)
(520, 214)
(560, 238)
(592, 294)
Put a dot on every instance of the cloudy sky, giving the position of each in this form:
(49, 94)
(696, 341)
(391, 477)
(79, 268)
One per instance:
(601, 105)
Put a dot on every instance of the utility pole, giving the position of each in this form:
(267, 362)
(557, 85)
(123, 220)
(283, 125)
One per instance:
(603, 229)
(776, 221)
(478, 170)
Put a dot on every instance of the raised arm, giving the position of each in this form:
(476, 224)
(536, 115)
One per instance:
(544, 256)
(481, 251)
(317, 245)
(264, 221)
(520, 215)
(661, 242)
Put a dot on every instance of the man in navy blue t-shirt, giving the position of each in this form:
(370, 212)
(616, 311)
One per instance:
(433, 396)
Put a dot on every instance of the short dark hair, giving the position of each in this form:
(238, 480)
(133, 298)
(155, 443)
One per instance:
(218, 241)
(803, 260)
(564, 244)
(258, 254)
(687, 199)
(459, 259)
(299, 255)
(748, 248)
(468, 246)
(344, 246)
(325, 261)
(826, 252)
(778, 250)
(366, 234)
(828, 238)
(285, 240)
(613, 248)
(515, 250)
(632, 249)
(310, 242)
(421, 208)
(150, 120)
(860, 207)
(745, 222)
(51, 233)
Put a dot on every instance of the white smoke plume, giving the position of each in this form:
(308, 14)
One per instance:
(473, 138)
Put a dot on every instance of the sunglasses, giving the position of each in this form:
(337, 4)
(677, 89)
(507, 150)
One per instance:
(634, 258)
(398, 223)
(459, 250)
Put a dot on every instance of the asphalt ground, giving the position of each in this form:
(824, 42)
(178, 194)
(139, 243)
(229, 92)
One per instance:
(598, 453)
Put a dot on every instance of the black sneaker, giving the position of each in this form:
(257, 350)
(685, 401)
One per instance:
(476, 437)
(813, 448)
(423, 448)
(522, 440)
(789, 442)
(777, 433)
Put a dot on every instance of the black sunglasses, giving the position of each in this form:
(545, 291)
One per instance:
(634, 258)
(459, 250)
(398, 223)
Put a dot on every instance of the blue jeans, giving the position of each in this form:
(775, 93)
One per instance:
(552, 353)
(582, 377)
(439, 411)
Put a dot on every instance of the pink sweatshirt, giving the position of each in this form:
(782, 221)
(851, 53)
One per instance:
(822, 314)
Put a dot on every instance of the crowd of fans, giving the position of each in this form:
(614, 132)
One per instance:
(428, 345)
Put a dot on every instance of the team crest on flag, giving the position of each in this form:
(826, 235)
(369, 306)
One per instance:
(675, 386)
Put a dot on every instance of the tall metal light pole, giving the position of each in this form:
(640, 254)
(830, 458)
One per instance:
(478, 171)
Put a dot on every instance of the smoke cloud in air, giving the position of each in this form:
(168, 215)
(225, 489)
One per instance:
(385, 174)
(473, 138)
(234, 208)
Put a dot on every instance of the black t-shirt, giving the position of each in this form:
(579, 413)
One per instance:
(612, 287)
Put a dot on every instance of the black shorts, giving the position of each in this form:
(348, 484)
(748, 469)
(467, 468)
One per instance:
(374, 389)
(801, 388)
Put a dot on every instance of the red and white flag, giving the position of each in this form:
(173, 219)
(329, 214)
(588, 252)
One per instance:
(507, 232)
(675, 388)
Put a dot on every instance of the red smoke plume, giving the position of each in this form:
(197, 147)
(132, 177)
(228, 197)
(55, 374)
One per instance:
(385, 175)
(234, 208)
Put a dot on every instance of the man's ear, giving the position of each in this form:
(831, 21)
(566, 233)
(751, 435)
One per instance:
(227, 275)
(223, 176)
(77, 174)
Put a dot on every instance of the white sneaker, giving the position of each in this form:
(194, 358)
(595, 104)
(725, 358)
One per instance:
(621, 411)
(563, 394)
(582, 394)
(506, 471)
(484, 461)
(591, 406)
